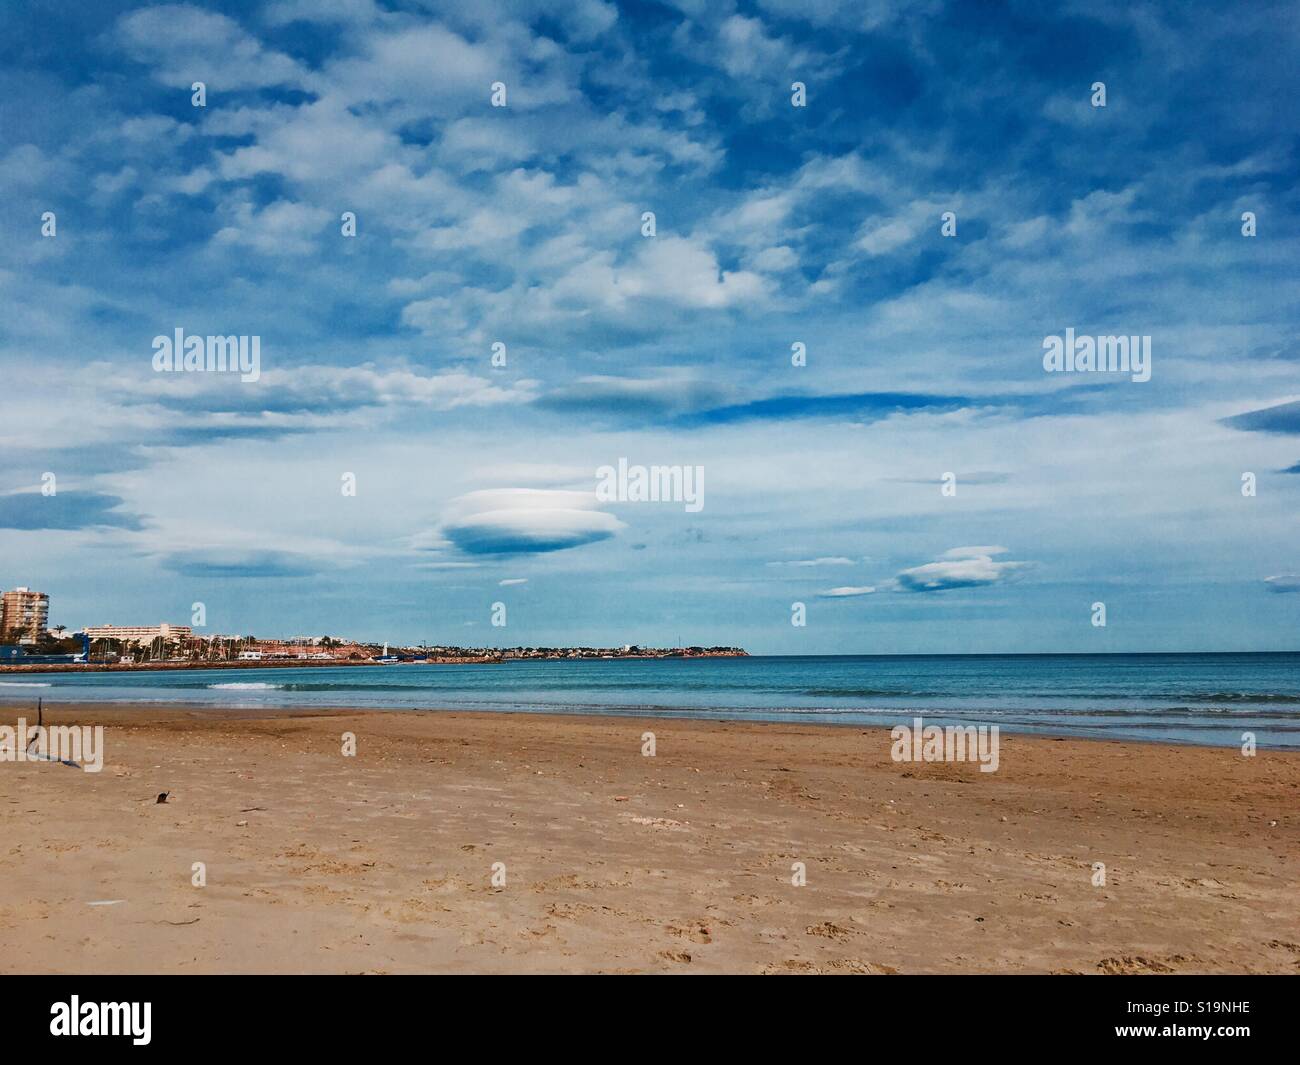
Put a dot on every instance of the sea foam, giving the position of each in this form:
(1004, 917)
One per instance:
(260, 686)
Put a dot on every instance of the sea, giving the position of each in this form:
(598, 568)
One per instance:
(1209, 699)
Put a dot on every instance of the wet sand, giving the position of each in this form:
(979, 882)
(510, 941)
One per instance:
(617, 862)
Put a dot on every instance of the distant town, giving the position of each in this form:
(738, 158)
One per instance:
(27, 642)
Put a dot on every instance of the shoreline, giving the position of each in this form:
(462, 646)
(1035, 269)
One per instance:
(615, 861)
(15, 702)
(285, 663)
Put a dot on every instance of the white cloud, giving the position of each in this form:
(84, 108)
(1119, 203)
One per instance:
(280, 228)
(682, 271)
(509, 521)
(184, 44)
(775, 260)
(963, 567)
(479, 144)
(402, 66)
(302, 144)
(747, 49)
(879, 236)
(583, 20)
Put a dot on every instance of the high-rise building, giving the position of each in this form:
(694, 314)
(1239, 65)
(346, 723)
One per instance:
(23, 615)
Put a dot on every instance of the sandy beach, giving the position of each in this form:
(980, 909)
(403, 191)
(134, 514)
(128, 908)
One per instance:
(612, 861)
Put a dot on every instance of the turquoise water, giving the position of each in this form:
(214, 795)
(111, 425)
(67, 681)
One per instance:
(1188, 698)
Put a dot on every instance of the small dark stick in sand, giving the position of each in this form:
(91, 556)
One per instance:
(40, 723)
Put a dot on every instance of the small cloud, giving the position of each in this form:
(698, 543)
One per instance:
(1283, 582)
(775, 260)
(962, 567)
(746, 49)
(846, 592)
(881, 239)
(242, 564)
(281, 228)
(518, 521)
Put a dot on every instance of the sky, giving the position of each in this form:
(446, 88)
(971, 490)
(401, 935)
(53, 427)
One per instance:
(810, 252)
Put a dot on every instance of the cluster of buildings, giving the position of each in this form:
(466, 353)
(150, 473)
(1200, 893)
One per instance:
(24, 638)
(628, 650)
(24, 623)
(179, 643)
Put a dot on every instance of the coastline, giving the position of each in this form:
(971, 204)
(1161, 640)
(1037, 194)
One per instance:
(615, 861)
(296, 663)
(15, 698)
(1221, 700)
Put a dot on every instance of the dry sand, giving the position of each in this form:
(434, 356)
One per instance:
(616, 862)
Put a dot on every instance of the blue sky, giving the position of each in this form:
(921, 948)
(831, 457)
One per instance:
(774, 225)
